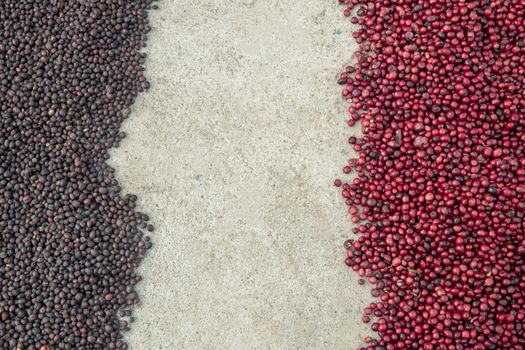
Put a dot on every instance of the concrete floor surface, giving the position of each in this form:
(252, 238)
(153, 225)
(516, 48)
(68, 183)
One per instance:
(233, 153)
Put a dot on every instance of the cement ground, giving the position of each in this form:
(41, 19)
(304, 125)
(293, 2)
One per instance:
(233, 153)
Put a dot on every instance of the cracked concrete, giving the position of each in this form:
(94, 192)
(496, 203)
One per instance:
(233, 153)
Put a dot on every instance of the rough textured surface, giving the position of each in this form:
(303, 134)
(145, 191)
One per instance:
(233, 153)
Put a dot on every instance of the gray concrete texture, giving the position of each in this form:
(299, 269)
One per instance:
(233, 153)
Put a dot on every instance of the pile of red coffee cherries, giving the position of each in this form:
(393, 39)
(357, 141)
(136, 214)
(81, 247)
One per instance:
(438, 192)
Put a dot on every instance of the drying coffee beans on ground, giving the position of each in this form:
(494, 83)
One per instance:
(69, 241)
(439, 189)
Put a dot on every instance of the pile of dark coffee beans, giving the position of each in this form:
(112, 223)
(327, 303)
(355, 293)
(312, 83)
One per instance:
(69, 241)
(439, 192)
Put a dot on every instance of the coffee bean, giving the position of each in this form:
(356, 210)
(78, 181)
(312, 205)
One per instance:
(70, 241)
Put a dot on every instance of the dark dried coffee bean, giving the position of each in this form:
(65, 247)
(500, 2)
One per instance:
(70, 241)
